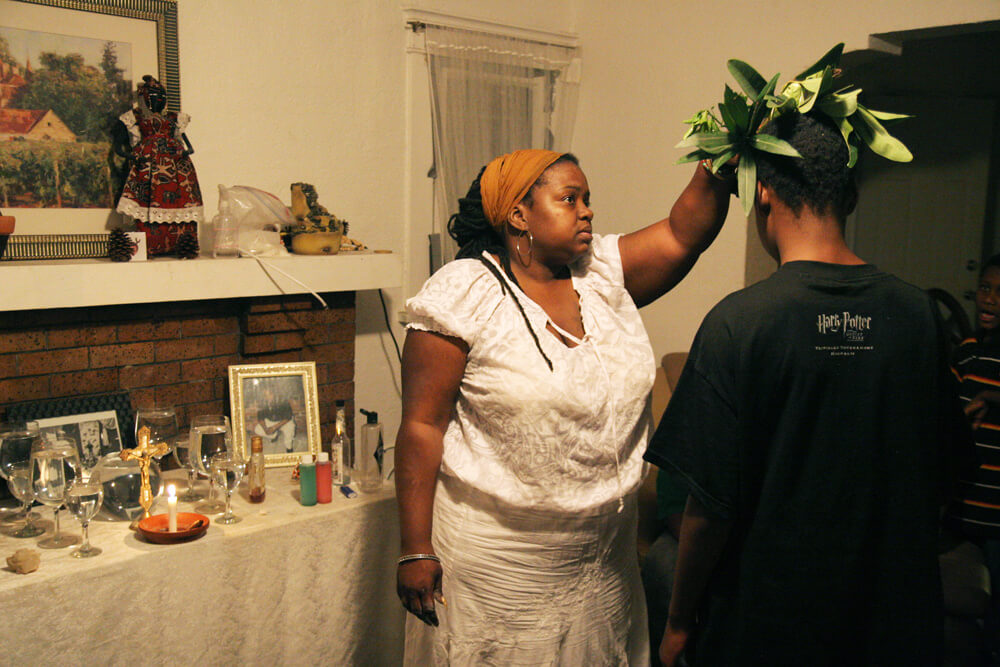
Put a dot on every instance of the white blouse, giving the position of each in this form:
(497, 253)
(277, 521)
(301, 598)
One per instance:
(564, 440)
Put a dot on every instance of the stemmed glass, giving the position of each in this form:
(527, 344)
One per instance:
(16, 439)
(229, 468)
(54, 464)
(210, 435)
(182, 454)
(162, 423)
(19, 481)
(84, 498)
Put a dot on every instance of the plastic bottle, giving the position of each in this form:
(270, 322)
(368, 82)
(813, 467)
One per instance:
(255, 471)
(307, 480)
(341, 450)
(225, 242)
(368, 467)
(324, 480)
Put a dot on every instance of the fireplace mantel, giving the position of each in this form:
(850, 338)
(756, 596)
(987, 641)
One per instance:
(38, 284)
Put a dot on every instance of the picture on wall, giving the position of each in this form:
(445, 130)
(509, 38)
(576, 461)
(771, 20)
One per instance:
(60, 96)
(67, 72)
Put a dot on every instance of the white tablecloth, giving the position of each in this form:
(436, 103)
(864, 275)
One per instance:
(288, 585)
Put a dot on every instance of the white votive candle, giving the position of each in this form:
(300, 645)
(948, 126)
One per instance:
(171, 508)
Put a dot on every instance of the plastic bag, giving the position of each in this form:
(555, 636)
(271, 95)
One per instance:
(258, 217)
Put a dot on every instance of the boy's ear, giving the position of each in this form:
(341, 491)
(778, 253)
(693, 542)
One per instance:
(763, 201)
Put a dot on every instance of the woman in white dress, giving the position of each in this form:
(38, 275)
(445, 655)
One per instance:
(526, 377)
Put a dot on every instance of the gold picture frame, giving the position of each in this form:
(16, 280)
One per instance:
(278, 402)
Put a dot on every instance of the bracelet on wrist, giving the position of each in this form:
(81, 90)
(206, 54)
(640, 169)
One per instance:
(411, 557)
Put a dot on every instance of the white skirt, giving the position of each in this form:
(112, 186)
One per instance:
(530, 588)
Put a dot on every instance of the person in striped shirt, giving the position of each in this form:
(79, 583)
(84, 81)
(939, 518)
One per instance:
(976, 365)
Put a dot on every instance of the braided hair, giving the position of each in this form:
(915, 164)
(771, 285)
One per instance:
(474, 234)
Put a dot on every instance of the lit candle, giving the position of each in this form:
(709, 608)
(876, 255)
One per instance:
(171, 508)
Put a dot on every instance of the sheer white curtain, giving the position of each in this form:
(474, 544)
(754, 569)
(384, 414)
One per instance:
(491, 94)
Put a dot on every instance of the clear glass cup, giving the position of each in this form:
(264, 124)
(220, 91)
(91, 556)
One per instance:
(54, 464)
(83, 498)
(162, 423)
(19, 482)
(229, 468)
(210, 435)
(16, 439)
(182, 455)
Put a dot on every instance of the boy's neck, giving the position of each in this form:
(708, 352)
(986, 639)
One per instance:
(808, 237)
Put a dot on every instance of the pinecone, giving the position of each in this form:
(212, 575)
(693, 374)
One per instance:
(187, 245)
(120, 247)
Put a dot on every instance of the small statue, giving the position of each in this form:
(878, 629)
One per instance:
(312, 215)
(144, 453)
(161, 191)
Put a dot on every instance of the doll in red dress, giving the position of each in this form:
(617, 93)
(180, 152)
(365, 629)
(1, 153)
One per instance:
(161, 192)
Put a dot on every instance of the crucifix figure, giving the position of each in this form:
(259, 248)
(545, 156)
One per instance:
(144, 453)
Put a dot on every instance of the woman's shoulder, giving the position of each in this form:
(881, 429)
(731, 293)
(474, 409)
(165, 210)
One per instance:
(456, 299)
(457, 273)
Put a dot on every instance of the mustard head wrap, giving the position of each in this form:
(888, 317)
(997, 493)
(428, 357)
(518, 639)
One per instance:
(508, 178)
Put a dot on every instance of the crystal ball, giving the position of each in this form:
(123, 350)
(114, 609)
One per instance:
(122, 484)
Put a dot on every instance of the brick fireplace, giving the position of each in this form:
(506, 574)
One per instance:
(177, 352)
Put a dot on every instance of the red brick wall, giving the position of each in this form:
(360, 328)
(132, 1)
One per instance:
(177, 353)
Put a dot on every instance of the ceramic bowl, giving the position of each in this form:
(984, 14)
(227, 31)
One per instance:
(189, 526)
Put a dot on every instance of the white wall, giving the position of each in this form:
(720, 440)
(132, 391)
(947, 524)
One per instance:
(650, 65)
(315, 91)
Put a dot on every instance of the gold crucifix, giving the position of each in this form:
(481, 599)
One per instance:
(144, 453)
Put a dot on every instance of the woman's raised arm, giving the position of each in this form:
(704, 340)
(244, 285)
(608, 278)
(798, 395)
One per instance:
(656, 258)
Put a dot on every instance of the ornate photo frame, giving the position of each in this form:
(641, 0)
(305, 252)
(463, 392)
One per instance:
(279, 403)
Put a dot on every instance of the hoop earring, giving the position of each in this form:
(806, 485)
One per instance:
(531, 245)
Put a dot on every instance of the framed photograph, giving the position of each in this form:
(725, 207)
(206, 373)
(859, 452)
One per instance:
(95, 433)
(277, 402)
(69, 69)
(117, 402)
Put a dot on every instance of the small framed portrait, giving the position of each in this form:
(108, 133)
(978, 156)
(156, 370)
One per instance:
(95, 434)
(278, 403)
(100, 424)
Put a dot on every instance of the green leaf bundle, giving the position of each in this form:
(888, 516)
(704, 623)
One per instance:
(814, 90)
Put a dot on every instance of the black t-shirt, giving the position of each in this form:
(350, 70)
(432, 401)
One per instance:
(809, 413)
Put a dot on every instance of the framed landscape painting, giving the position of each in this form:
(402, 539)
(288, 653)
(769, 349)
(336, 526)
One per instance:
(68, 69)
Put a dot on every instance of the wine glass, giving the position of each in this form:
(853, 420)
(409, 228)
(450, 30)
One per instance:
(162, 423)
(55, 463)
(16, 439)
(182, 455)
(84, 498)
(228, 468)
(19, 481)
(210, 435)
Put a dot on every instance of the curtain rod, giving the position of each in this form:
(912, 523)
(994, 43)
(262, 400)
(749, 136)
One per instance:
(497, 29)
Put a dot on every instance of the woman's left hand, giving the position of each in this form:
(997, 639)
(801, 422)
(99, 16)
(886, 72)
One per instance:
(418, 585)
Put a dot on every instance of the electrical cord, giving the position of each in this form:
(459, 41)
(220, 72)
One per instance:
(385, 314)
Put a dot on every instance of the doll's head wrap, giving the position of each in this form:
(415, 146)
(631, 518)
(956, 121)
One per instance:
(149, 85)
(508, 178)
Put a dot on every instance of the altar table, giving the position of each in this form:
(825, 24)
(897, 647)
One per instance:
(288, 585)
